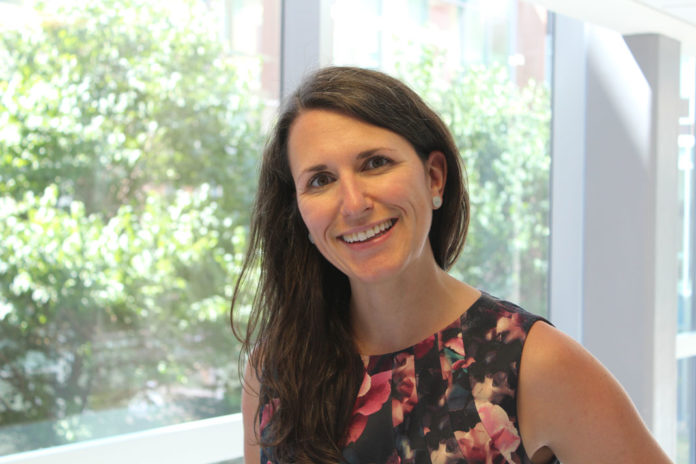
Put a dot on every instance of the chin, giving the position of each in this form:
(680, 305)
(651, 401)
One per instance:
(374, 277)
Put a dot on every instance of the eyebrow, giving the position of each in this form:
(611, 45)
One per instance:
(361, 156)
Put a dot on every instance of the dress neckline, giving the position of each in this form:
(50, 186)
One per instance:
(483, 296)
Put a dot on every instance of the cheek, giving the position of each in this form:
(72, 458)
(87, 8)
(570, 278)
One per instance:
(313, 215)
(416, 193)
(413, 184)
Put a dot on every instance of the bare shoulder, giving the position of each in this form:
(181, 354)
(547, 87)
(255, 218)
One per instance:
(569, 403)
(250, 405)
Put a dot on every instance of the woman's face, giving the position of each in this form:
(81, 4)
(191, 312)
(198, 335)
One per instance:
(364, 194)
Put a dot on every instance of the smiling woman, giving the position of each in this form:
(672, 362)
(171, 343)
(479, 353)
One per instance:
(362, 348)
(291, 311)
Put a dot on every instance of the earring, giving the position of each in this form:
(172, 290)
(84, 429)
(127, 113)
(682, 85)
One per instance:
(311, 239)
(437, 201)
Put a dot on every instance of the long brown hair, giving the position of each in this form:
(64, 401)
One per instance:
(298, 337)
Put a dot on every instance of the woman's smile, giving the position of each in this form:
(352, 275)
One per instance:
(368, 234)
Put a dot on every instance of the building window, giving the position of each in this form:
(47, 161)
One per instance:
(129, 138)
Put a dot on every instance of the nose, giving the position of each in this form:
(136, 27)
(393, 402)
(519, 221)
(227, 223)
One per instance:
(354, 198)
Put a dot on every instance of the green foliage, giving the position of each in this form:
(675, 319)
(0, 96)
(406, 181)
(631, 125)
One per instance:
(128, 155)
(109, 96)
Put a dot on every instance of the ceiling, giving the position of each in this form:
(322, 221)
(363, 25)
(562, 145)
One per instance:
(674, 18)
(683, 9)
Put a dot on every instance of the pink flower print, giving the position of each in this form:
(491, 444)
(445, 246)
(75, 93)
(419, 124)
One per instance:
(463, 363)
(511, 328)
(394, 458)
(357, 425)
(493, 389)
(422, 348)
(456, 344)
(500, 428)
(374, 392)
(476, 444)
(446, 369)
(405, 395)
(441, 455)
(268, 410)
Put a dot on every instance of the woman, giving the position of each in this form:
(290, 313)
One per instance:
(361, 347)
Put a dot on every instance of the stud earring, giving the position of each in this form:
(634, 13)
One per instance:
(437, 201)
(311, 239)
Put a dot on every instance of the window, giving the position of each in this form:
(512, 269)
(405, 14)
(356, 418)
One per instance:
(129, 138)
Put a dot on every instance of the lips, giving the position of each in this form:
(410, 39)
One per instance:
(370, 233)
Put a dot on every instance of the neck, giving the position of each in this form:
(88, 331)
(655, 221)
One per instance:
(395, 314)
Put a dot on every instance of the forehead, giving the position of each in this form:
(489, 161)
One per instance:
(318, 135)
(315, 125)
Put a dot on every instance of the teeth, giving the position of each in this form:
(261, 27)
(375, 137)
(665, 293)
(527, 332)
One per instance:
(368, 234)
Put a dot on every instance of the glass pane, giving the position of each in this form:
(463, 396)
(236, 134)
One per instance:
(483, 64)
(686, 375)
(129, 137)
(686, 323)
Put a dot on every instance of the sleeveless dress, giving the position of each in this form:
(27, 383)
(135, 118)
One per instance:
(449, 399)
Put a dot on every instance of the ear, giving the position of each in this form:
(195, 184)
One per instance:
(436, 172)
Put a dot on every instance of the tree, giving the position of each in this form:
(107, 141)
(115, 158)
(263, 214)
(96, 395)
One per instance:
(127, 165)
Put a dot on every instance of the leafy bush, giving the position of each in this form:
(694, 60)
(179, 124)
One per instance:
(128, 154)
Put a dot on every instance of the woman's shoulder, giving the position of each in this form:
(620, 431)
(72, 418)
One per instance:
(567, 398)
(498, 320)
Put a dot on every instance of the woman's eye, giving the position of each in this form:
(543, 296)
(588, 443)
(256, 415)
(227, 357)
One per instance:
(376, 162)
(319, 180)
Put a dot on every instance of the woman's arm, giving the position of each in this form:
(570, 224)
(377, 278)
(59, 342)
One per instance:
(250, 404)
(569, 403)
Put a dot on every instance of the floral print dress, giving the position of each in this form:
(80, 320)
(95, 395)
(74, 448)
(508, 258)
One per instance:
(448, 399)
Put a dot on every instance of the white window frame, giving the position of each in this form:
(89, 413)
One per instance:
(199, 442)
